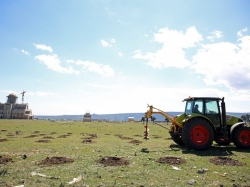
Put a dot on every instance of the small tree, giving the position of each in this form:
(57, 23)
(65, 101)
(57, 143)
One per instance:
(247, 117)
(153, 119)
(143, 120)
(243, 117)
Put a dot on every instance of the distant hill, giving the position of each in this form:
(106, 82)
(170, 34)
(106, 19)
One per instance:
(116, 117)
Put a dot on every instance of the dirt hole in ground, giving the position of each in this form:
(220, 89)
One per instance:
(56, 161)
(63, 136)
(4, 160)
(225, 161)
(31, 136)
(87, 141)
(43, 141)
(171, 160)
(3, 140)
(135, 142)
(48, 137)
(156, 136)
(113, 161)
(123, 137)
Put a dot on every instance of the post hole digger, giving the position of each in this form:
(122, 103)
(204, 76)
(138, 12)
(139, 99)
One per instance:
(204, 121)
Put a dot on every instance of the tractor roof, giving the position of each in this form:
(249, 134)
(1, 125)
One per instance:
(200, 98)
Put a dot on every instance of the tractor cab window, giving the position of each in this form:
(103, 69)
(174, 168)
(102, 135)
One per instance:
(212, 112)
(198, 106)
(212, 107)
(189, 106)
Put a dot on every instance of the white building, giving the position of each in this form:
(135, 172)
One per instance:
(12, 110)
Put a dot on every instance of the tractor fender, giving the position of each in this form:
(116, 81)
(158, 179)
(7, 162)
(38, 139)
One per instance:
(200, 116)
(234, 126)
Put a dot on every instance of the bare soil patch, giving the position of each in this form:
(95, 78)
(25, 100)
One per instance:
(4, 140)
(91, 136)
(48, 137)
(137, 135)
(171, 160)
(43, 141)
(36, 132)
(135, 142)
(56, 161)
(3, 130)
(156, 136)
(63, 136)
(31, 136)
(123, 137)
(4, 160)
(113, 161)
(225, 161)
(87, 141)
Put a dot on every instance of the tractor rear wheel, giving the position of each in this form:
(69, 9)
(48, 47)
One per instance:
(241, 137)
(198, 134)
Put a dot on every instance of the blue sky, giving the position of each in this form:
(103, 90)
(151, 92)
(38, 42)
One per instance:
(114, 56)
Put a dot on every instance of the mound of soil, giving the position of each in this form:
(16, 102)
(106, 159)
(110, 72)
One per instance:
(87, 141)
(156, 136)
(123, 137)
(225, 161)
(43, 141)
(113, 161)
(63, 136)
(4, 160)
(171, 160)
(56, 161)
(92, 136)
(48, 137)
(135, 142)
(31, 136)
(3, 140)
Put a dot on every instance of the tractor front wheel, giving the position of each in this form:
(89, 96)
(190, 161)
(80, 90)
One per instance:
(177, 138)
(241, 137)
(198, 134)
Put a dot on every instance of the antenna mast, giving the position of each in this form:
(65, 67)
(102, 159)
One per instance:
(23, 96)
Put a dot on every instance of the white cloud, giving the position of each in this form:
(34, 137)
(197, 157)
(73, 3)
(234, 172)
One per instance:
(240, 33)
(112, 40)
(52, 62)
(104, 70)
(172, 53)
(224, 63)
(120, 54)
(25, 52)
(43, 47)
(43, 94)
(215, 34)
(105, 44)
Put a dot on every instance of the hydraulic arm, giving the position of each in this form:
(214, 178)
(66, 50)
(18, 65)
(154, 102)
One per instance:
(150, 112)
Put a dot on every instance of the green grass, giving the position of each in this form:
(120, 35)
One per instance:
(143, 170)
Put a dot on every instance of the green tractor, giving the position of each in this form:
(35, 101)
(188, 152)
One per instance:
(204, 121)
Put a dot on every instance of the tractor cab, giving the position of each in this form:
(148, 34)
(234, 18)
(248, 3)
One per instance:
(205, 106)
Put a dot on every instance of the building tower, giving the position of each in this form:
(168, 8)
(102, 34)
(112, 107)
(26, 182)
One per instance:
(11, 98)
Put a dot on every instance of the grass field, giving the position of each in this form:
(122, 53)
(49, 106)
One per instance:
(88, 142)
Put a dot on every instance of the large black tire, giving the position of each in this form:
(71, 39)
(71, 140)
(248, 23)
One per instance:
(177, 138)
(198, 134)
(241, 137)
